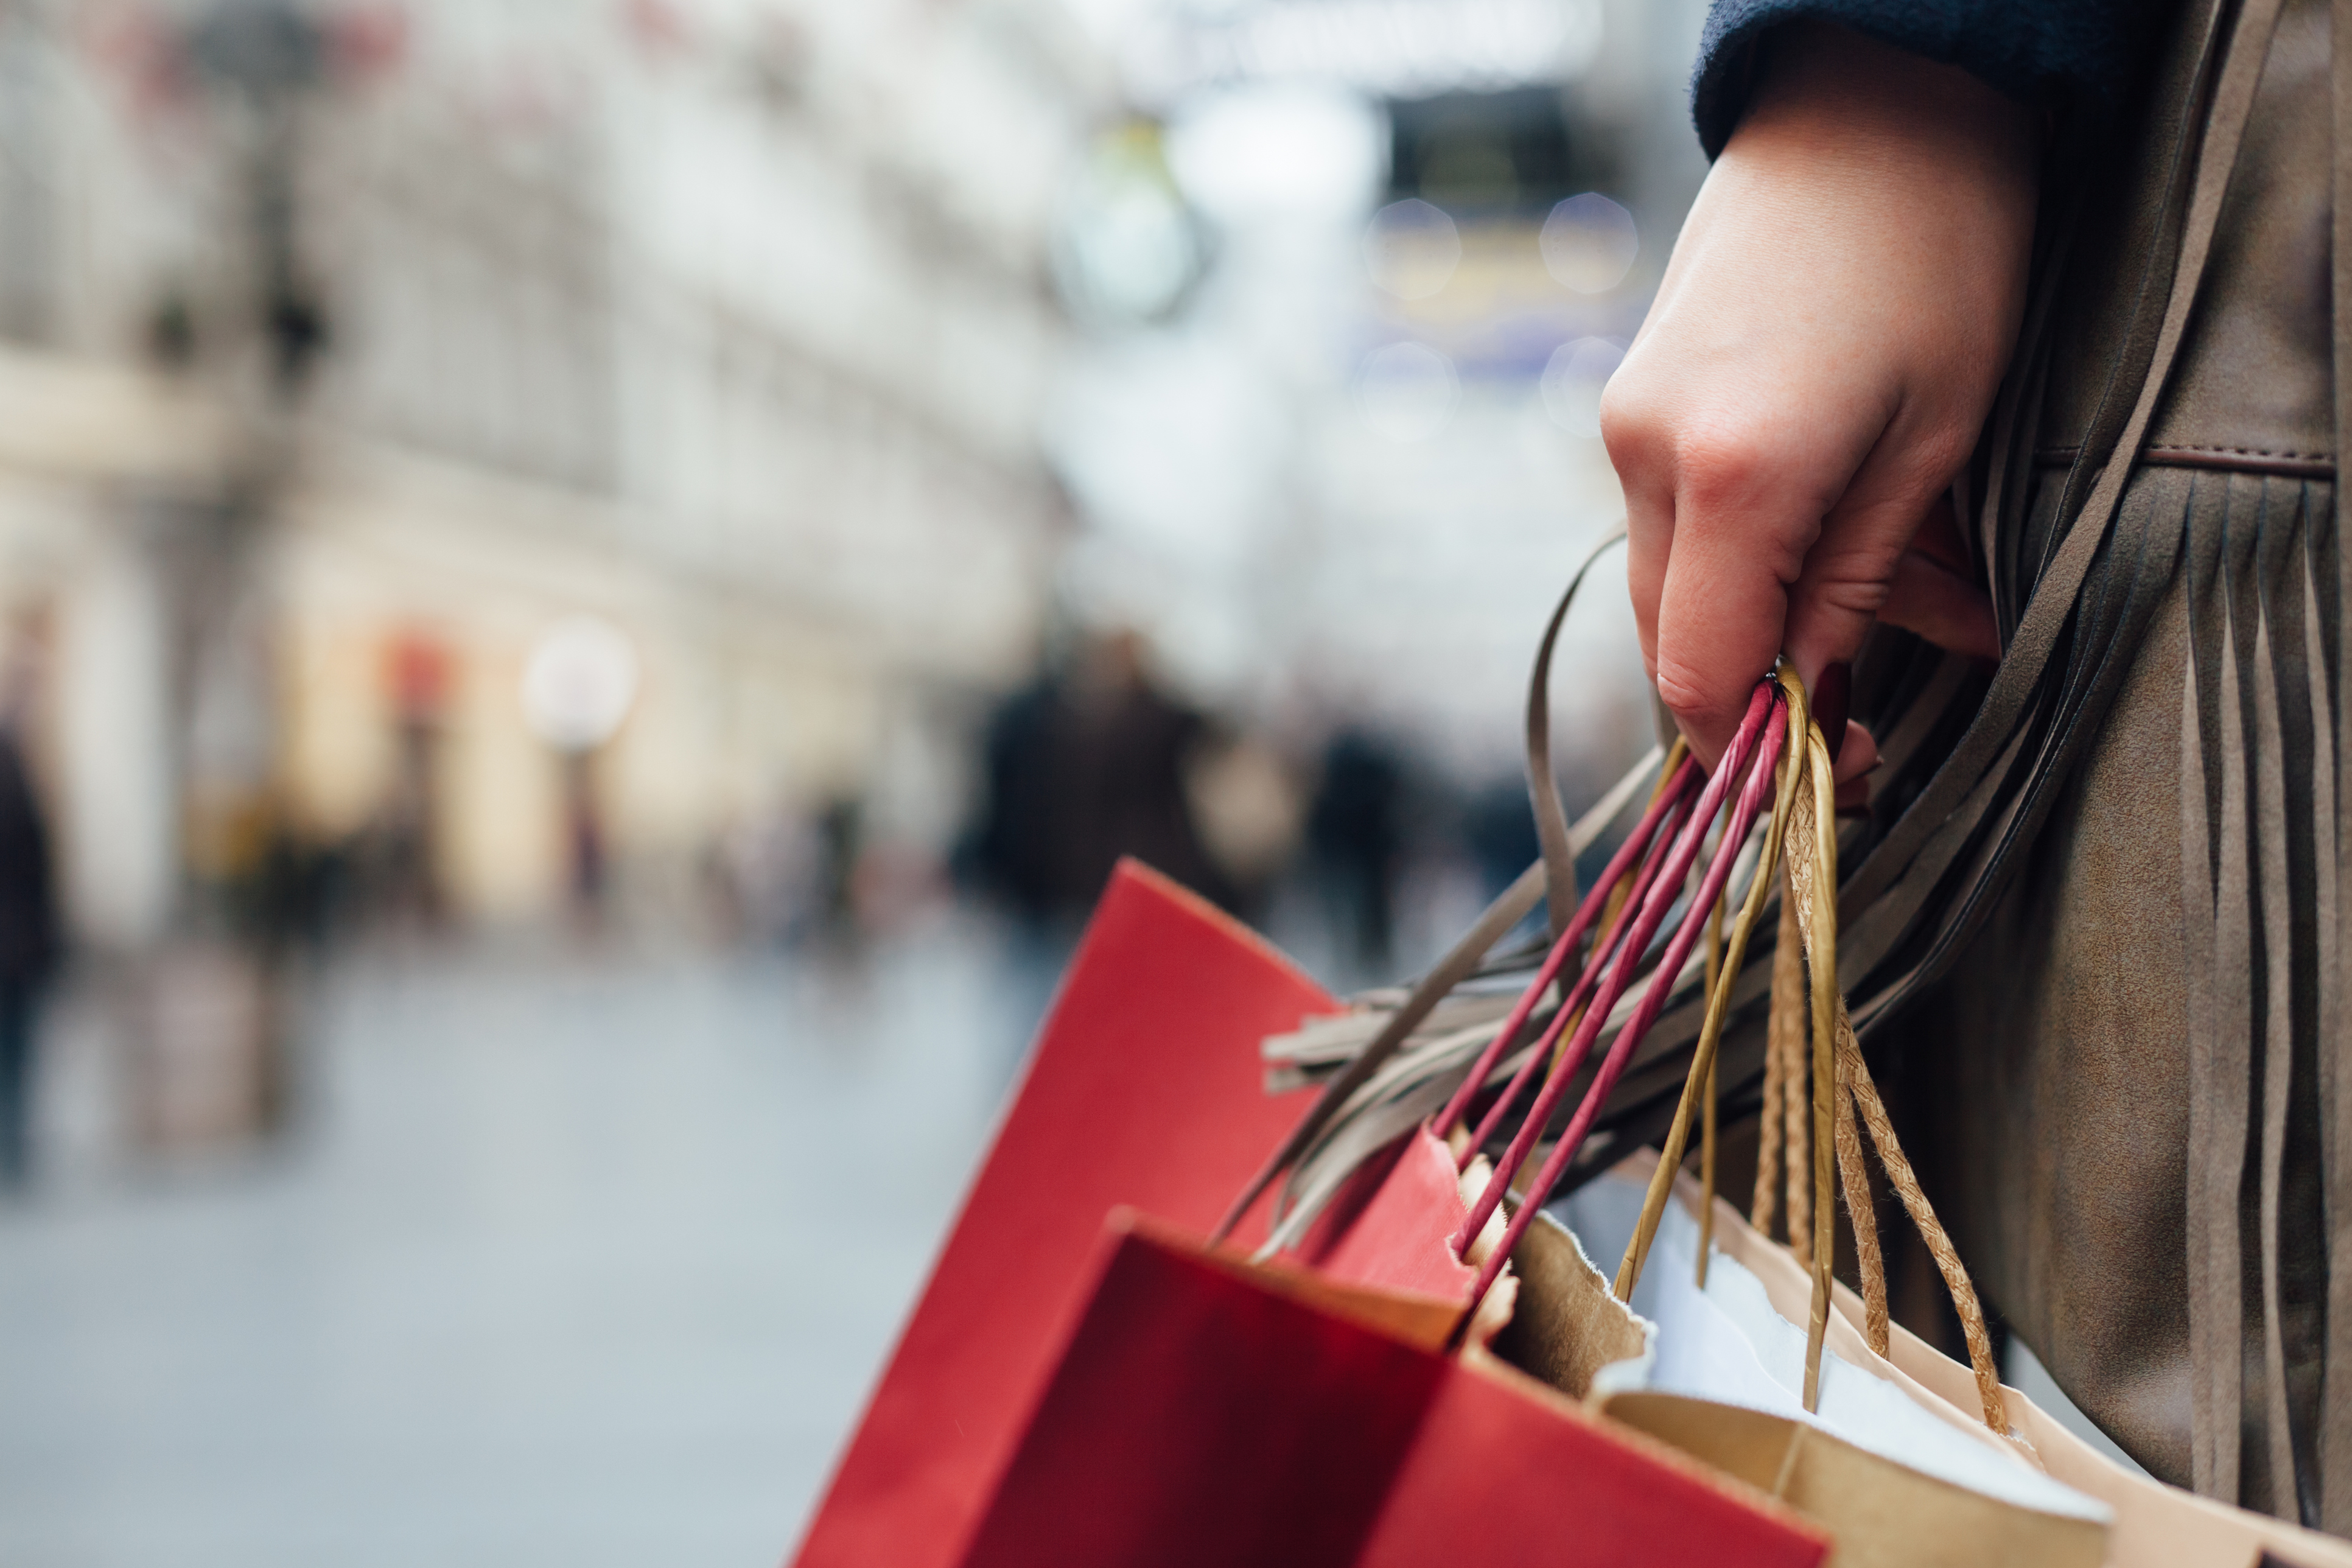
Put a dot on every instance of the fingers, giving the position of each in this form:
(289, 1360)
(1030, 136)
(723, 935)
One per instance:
(1708, 608)
(1947, 609)
(1722, 605)
(1721, 512)
(1648, 541)
(1838, 595)
(1855, 759)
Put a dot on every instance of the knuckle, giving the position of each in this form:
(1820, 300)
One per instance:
(1679, 689)
(1860, 597)
(1631, 428)
(1724, 464)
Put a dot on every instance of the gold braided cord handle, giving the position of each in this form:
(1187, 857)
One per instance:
(1785, 1131)
(1815, 880)
(1862, 1213)
(1718, 1004)
(1764, 1208)
(1816, 1103)
(1823, 970)
(1806, 878)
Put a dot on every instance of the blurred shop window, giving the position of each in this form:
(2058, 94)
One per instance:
(1522, 149)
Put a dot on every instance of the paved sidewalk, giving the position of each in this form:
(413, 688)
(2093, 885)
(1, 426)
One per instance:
(577, 1261)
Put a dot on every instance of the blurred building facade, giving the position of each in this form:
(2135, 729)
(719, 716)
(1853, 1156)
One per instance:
(1343, 478)
(348, 349)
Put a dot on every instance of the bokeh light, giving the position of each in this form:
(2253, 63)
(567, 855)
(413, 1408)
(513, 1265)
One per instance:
(1590, 243)
(1127, 250)
(1412, 248)
(1299, 150)
(1573, 379)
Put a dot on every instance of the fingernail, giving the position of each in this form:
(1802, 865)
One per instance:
(1832, 695)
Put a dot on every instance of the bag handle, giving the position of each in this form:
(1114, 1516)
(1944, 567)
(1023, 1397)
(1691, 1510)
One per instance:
(1558, 855)
(1804, 826)
(1674, 789)
(1554, 870)
(1297, 1210)
(1852, 1078)
(1789, 796)
(1758, 742)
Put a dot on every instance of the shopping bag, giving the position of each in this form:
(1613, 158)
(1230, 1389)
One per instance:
(1567, 1327)
(1848, 1339)
(1739, 1339)
(1883, 1514)
(1144, 1089)
(1915, 1464)
(2153, 1525)
(1206, 1410)
(1394, 1222)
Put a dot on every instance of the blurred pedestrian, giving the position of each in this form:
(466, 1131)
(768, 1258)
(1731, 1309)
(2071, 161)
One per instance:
(1499, 829)
(1249, 808)
(1355, 832)
(1085, 766)
(28, 952)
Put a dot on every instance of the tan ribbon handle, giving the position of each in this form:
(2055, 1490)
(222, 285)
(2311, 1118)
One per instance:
(1553, 872)
(1803, 827)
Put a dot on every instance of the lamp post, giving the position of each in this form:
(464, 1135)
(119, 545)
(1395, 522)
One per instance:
(577, 688)
(211, 1039)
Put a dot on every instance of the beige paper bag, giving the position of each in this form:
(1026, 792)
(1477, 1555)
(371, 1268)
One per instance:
(1570, 1330)
(2156, 1526)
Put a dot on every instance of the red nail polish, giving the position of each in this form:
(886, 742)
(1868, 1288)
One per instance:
(1832, 696)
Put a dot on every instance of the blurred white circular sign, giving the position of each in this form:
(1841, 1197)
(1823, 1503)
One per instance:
(579, 683)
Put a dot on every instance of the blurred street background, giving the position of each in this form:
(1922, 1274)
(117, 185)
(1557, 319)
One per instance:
(589, 590)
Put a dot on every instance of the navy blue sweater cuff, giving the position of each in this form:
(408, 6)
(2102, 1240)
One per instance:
(2052, 54)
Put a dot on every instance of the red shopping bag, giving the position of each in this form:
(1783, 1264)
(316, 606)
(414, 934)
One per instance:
(1146, 1089)
(1389, 1225)
(1204, 1411)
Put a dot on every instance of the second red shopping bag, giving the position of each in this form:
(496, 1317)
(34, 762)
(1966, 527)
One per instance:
(1208, 1410)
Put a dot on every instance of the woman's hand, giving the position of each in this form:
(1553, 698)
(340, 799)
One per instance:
(1828, 339)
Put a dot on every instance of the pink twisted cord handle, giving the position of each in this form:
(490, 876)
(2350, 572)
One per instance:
(1611, 942)
(1636, 843)
(1763, 728)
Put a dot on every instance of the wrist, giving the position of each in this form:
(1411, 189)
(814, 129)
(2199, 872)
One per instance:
(1826, 93)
